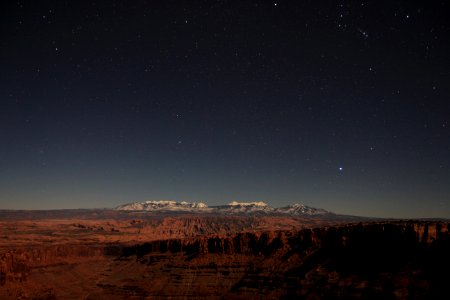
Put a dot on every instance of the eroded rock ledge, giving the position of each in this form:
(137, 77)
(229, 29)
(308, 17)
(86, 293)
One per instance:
(397, 260)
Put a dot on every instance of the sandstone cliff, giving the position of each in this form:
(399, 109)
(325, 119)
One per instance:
(389, 260)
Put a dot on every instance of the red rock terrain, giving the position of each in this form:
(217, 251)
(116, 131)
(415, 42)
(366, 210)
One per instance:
(110, 255)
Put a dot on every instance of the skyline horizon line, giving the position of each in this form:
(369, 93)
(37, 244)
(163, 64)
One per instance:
(340, 213)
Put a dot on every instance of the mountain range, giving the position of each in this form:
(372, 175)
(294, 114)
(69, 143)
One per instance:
(234, 207)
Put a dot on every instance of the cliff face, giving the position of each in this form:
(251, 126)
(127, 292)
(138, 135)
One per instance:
(392, 260)
(383, 260)
(400, 235)
(242, 243)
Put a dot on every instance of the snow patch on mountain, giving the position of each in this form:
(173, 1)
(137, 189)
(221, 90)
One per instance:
(234, 207)
(301, 209)
(164, 205)
(254, 203)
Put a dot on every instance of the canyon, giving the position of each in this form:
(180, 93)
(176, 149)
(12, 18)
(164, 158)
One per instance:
(110, 254)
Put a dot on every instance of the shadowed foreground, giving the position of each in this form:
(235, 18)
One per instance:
(230, 260)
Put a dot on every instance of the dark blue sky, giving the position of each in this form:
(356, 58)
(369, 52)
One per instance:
(340, 104)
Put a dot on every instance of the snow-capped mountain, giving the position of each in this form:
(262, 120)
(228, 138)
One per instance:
(234, 207)
(164, 205)
(301, 209)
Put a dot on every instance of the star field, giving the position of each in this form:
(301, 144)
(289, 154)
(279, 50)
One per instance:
(342, 105)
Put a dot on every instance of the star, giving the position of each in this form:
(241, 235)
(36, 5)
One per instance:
(363, 33)
(341, 169)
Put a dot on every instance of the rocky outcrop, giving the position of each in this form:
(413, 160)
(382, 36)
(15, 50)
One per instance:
(242, 243)
(400, 236)
(385, 260)
(392, 260)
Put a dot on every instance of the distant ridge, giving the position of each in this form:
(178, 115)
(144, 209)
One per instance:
(166, 205)
(234, 207)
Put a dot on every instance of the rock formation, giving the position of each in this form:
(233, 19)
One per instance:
(383, 260)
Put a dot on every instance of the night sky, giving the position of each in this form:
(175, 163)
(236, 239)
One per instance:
(343, 105)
